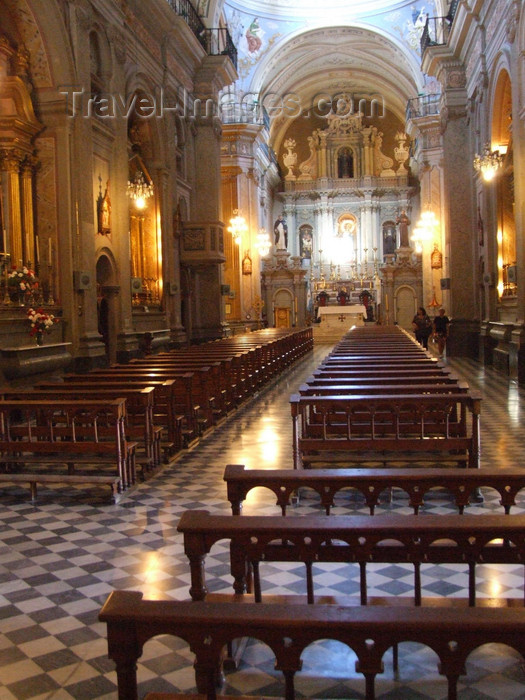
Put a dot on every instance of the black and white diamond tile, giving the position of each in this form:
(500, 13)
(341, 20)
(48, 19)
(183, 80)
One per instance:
(60, 558)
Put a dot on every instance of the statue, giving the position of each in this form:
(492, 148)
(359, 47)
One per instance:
(308, 167)
(382, 163)
(403, 222)
(280, 230)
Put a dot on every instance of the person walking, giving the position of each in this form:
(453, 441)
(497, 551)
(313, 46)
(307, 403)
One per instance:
(441, 324)
(422, 326)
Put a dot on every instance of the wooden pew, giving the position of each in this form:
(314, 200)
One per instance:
(72, 434)
(386, 428)
(179, 388)
(354, 539)
(335, 388)
(416, 483)
(165, 403)
(370, 631)
(139, 425)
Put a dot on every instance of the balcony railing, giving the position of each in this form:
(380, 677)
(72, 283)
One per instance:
(185, 9)
(437, 29)
(218, 42)
(215, 42)
(422, 106)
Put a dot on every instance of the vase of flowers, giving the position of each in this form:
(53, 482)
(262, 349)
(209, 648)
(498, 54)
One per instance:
(22, 283)
(41, 322)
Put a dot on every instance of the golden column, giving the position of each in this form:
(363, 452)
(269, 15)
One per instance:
(10, 165)
(30, 250)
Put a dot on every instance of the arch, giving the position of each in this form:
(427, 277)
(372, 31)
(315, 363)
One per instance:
(294, 68)
(501, 140)
(107, 311)
(405, 305)
(41, 29)
(389, 237)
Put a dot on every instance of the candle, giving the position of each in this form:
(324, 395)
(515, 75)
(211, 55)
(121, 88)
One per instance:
(50, 252)
(37, 249)
(386, 303)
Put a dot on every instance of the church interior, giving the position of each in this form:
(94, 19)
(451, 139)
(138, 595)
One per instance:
(264, 182)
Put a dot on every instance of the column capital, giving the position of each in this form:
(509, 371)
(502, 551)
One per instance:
(10, 160)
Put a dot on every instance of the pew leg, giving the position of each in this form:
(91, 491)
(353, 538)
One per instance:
(452, 687)
(289, 685)
(370, 693)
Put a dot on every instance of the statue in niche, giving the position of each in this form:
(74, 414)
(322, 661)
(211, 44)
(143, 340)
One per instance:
(308, 168)
(389, 239)
(382, 163)
(403, 222)
(306, 241)
(345, 163)
(280, 230)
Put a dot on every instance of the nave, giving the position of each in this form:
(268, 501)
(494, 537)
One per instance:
(61, 558)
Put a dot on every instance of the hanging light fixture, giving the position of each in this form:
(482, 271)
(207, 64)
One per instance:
(238, 226)
(139, 190)
(488, 163)
(263, 244)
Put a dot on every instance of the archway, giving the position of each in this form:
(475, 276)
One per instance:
(501, 139)
(106, 305)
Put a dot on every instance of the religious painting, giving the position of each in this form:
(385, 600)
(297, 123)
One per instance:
(346, 225)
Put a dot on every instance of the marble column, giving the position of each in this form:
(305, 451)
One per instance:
(458, 193)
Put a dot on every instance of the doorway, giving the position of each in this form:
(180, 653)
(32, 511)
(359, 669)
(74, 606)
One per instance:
(107, 292)
(405, 307)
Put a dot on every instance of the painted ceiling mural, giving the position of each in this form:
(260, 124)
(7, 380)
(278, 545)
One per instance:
(257, 27)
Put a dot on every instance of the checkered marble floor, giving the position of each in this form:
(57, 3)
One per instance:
(60, 558)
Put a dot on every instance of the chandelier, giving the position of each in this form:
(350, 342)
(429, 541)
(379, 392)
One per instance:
(263, 244)
(488, 163)
(139, 190)
(238, 226)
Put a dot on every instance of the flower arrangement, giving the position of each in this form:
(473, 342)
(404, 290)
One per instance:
(41, 322)
(23, 280)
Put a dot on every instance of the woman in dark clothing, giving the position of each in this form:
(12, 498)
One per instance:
(422, 326)
(441, 324)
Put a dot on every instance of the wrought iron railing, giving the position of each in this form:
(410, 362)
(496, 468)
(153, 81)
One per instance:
(185, 9)
(437, 29)
(422, 106)
(218, 42)
(214, 41)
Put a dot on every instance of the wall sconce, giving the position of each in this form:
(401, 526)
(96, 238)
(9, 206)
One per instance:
(139, 190)
(238, 226)
(263, 244)
(488, 163)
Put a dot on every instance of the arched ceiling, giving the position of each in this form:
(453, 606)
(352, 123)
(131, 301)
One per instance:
(323, 63)
(307, 50)
(333, 10)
